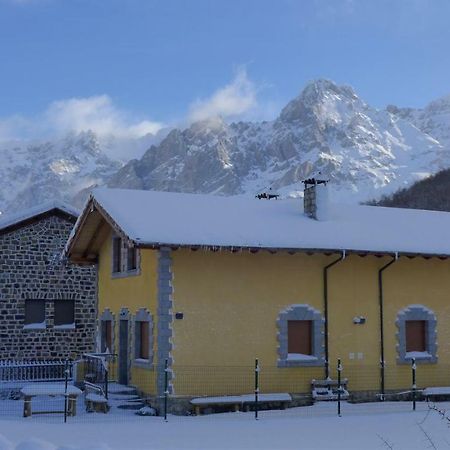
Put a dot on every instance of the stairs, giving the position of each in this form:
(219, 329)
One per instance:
(124, 397)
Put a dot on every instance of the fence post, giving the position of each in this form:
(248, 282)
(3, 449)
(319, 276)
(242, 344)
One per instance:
(166, 388)
(106, 382)
(413, 370)
(339, 370)
(66, 379)
(256, 387)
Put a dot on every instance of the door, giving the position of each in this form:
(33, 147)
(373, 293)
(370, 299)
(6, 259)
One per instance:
(123, 352)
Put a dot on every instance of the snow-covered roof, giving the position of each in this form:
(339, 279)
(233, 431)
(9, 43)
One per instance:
(152, 218)
(28, 214)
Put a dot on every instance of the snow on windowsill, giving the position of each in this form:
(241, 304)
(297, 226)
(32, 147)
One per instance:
(66, 326)
(35, 326)
(300, 357)
(418, 355)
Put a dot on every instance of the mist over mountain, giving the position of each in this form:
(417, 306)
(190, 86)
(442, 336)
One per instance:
(364, 151)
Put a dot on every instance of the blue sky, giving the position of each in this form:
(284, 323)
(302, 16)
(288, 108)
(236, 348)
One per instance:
(137, 64)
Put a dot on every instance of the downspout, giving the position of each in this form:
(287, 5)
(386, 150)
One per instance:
(325, 309)
(380, 299)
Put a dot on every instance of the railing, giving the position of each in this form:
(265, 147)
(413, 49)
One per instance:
(96, 369)
(34, 370)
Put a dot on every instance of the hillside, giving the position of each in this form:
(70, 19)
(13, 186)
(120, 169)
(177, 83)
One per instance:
(433, 193)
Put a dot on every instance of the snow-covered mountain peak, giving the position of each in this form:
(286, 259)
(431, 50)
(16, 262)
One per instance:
(328, 128)
(364, 151)
(441, 105)
(323, 102)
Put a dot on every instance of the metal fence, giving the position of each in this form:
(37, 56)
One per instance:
(253, 390)
(33, 370)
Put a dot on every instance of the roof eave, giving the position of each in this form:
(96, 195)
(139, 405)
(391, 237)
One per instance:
(237, 248)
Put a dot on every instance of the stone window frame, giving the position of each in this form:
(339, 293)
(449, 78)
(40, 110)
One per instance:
(107, 315)
(143, 315)
(124, 272)
(301, 312)
(417, 312)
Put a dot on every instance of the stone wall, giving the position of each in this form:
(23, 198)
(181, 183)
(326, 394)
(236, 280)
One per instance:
(30, 268)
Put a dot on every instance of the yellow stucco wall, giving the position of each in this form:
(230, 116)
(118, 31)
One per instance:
(231, 302)
(132, 292)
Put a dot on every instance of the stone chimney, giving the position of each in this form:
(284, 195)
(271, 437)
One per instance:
(315, 198)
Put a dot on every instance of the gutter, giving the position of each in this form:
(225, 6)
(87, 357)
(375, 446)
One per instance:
(381, 305)
(325, 309)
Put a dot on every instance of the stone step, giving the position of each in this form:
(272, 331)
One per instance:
(123, 398)
(131, 406)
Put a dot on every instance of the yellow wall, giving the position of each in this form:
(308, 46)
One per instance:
(132, 292)
(231, 302)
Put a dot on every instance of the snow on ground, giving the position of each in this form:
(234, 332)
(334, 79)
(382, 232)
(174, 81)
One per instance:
(362, 426)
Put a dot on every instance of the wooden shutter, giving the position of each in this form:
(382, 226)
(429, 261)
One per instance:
(299, 336)
(117, 254)
(131, 258)
(106, 335)
(144, 353)
(415, 335)
(34, 311)
(64, 312)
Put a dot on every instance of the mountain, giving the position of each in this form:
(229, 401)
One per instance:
(32, 173)
(365, 152)
(434, 119)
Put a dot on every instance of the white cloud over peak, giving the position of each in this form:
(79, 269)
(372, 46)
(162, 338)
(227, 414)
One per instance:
(97, 113)
(230, 101)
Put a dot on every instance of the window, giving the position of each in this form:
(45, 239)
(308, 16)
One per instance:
(300, 337)
(125, 260)
(106, 337)
(35, 314)
(107, 331)
(142, 344)
(64, 313)
(416, 336)
(143, 338)
(131, 258)
(116, 254)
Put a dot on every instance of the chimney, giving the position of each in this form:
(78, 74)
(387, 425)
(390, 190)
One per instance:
(315, 198)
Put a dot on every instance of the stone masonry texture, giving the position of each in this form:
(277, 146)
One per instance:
(31, 268)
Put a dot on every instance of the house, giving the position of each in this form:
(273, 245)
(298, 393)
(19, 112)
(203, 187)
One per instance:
(210, 283)
(47, 307)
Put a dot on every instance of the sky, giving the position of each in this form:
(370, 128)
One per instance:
(134, 66)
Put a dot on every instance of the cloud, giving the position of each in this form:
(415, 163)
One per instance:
(97, 113)
(230, 101)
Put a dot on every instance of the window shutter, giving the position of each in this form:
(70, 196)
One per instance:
(131, 258)
(137, 340)
(299, 336)
(64, 312)
(34, 311)
(109, 336)
(145, 354)
(415, 335)
(106, 337)
(117, 254)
